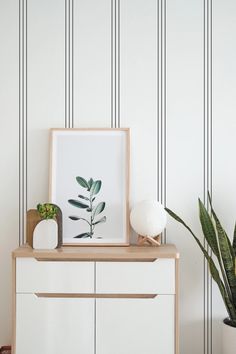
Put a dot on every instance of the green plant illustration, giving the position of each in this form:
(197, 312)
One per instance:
(221, 259)
(93, 188)
(47, 211)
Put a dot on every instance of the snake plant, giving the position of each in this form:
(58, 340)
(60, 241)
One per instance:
(221, 259)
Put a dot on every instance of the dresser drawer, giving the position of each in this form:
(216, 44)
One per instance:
(33, 276)
(156, 277)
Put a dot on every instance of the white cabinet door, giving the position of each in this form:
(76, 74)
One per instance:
(54, 325)
(136, 326)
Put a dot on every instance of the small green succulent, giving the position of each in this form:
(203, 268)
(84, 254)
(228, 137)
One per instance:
(47, 211)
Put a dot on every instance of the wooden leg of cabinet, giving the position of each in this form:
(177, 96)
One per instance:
(177, 306)
(13, 305)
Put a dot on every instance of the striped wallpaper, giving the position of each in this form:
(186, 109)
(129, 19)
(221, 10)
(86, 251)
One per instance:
(156, 66)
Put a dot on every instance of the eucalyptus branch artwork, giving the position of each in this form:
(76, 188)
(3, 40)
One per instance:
(94, 200)
(87, 202)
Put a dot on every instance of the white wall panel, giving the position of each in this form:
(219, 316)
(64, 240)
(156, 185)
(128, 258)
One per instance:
(224, 127)
(92, 63)
(138, 92)
(45, 88)
(9, 175)
(185, 157)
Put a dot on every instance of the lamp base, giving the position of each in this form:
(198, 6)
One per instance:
(148, 240)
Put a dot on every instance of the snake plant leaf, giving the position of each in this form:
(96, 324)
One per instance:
(234, 241)
(82, 182)
(90, 183)
(83, 197)
(212, 240)
(216, 276)
(103, 219)
(230, 307)
(226, 253)
(177, 218)
(214, 271)
(77, 204)
(231, 247)
(233, 254)
(95, 187)
(98, 209)
(208, 229)
(83, 235)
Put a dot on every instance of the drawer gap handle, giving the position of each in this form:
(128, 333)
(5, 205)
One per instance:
(61, 260)
(147, 260)
(96, 296)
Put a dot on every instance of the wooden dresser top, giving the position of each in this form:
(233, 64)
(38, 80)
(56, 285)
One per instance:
(107, 253)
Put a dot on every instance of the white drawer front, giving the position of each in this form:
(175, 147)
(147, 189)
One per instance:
(34, 276)
(156, 277)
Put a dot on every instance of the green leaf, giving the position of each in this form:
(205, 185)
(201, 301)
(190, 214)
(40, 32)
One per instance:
(103, 219)
(76, 218)
(82, 182)
(228, 303)
(83, 235)
(234, 241)
(226, 251)
(82, 197)
(208, 229)
(228, 240)
(95, 187)
(214, 271)
(99, 208)
(88, 209)
(77, 204)
(212, 240)
(90, 182)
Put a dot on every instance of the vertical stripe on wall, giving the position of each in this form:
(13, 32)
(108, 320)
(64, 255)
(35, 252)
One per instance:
(69, 63)
(207, 158)
(22, 118)
(161, 104)
(115, 63)
(72, 64)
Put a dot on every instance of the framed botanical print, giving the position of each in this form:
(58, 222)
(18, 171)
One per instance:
(89, 181)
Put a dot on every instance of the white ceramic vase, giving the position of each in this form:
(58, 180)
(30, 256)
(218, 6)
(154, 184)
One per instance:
(45, 235)
(228, 339)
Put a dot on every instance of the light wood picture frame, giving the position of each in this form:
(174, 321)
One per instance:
(89, 181)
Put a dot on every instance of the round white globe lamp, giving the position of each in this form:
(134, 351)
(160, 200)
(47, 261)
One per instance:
(148, 218)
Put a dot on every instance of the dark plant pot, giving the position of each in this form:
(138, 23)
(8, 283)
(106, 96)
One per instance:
(228, 337)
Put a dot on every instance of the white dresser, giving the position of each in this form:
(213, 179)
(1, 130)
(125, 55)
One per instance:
(96, 300)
